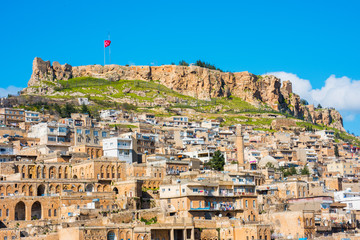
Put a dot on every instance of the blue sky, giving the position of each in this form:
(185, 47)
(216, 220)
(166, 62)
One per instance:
(317, 41)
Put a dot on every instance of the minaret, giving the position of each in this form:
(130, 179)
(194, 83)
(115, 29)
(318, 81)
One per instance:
(239, 146)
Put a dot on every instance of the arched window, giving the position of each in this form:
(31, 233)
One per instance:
(20, 211)
(36, 211)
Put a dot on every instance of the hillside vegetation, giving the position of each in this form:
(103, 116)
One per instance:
(142, 96)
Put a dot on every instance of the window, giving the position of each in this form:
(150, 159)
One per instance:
(104, 134)
(254, 205)
(7, 212)
(246, 203)
(52, 139)
(62, 129)
(96, 133)
(87, 132)
(78, 131)
(195, 190)
(52, 130)
(49, 213)
(61, 139)
(287, 192)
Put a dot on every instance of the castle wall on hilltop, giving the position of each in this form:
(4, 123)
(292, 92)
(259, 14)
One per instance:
(198, 82)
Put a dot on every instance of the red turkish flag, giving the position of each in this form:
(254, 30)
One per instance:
(107, 43)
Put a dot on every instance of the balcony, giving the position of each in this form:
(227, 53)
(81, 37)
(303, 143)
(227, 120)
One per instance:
(217, 208)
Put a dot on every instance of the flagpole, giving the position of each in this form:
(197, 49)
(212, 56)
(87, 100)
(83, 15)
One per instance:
(104, 54)
(109, 50)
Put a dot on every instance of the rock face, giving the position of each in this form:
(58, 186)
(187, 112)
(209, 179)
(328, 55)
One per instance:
(43, 71)
(196, 82)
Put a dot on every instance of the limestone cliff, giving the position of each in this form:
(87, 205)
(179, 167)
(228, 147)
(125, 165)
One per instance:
(197, 82)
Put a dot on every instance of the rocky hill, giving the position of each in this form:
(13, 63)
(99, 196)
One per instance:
(193, 81)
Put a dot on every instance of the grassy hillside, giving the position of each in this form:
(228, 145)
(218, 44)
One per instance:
(100, 90)
(139, 96)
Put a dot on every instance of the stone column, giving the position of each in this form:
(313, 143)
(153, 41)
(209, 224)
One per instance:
(184, 234)
(193, 234)
(239, 146)
(28, 211)
(172, 234)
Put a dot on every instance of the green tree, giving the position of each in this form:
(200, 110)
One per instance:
(84, 109)
(292, 171)
(319, 106)
(57, 108)
(217, 162)
(67, 110)
(305, 171)
(269, 165)
(336, 151)
(183, 63)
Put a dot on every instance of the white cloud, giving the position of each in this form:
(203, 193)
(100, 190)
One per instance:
(4, 92)
(349, 117)
(341, 93)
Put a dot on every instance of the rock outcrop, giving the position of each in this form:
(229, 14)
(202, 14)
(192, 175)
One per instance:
(198, 82)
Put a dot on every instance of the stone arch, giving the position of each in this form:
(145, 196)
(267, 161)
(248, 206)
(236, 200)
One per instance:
(89, 188)
(66, 172)
(41, 190)
(113, 171)
(102, 171)
(8, 190)
(122, 235)
(23, 171)
(127, 235)
(107, 188)
(119, 172)
(60, 170)
(52, 172)
(23, 189)
(115, 190)
(111, 235)
(38, 172)
(45, 170)
(31, 190)
(57, 189)
(108, 170)
(51, 189)
(75, 177)
(36, 212)
(98, 189)
(80, 188)
(20, 211)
